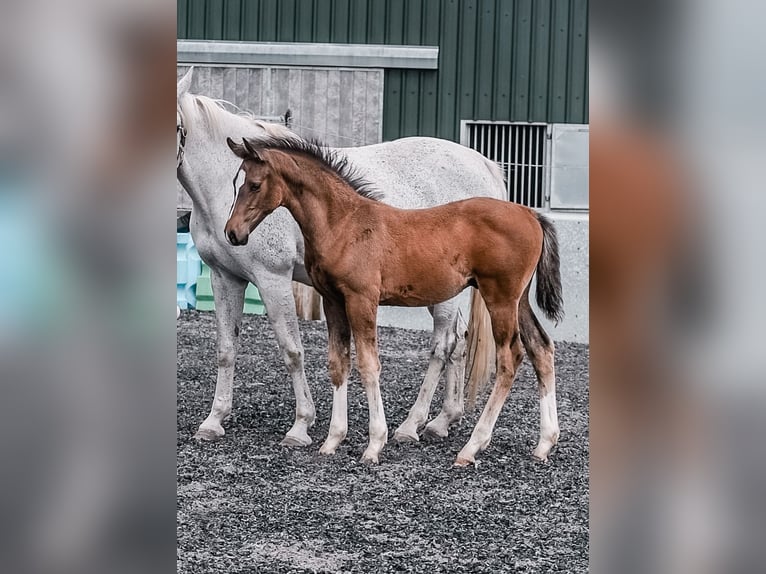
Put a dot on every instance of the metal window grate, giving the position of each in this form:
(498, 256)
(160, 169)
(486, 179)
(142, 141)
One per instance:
(520, 149)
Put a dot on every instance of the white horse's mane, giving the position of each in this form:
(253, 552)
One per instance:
(213, 112)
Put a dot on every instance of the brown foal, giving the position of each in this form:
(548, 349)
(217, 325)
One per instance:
(361, 253)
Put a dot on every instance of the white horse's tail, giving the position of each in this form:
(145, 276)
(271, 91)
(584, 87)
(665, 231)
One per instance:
(480, 361)
(308, 303)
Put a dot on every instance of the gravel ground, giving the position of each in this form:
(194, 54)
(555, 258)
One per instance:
(245, 504)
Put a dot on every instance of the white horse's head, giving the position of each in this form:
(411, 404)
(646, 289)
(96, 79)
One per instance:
(181, 90)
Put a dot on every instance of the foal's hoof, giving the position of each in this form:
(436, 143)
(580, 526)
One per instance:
(209, 434)
(405, 436)
(296, 441)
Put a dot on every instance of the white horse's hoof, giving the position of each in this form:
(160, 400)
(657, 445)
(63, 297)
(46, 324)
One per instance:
(327, 450)
(435, 430)
(405, 436)
(209, 433)
(370, 458)
(294, 440)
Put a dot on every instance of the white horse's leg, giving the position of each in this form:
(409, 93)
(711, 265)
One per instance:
(229, 296)
(277, 294)
(443, 342)
(452, 406)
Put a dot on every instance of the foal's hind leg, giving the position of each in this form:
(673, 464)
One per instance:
(540, 351)
(277, 293)
(443, 343)
(505, 329)
(229, 296)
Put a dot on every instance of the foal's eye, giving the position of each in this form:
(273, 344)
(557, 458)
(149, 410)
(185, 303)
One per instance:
(255, 186)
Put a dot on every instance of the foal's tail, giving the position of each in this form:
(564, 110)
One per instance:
(548, 293)
(481, 348)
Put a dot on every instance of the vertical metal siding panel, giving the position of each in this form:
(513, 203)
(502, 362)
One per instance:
(484, 60)
(578, 63)
(467, 61)
(503, 61)
(559, 62)
(392, 105)
(231, 19)
(182, 15)
(413, 20)
(521, 65)
(267, 22)
(395, 22)
(431, 22)
(287, 17)
(448, 89)
(322, 20)
(340, 19)
(358, 22)
(214, 19)
(410, 102)
(196, 22)
(250, 17)
(304, 30)
(427, 106)
(376, 25)
(541, 41)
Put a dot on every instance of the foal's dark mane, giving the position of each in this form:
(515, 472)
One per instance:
(332, 159)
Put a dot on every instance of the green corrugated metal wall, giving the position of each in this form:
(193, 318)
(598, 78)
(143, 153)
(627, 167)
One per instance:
(518, 60)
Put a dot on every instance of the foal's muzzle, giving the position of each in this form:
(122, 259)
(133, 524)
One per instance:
(235, 239)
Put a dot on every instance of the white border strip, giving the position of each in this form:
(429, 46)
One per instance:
(306, 54)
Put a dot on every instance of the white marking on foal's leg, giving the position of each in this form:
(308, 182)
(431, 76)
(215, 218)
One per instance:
(378, 427)
(508, 362)
(549, 421)
(339, 420)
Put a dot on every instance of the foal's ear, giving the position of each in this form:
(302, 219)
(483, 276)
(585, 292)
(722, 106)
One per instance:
(254, 153)
(238, 149)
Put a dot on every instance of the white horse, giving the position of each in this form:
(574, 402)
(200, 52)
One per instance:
(415, 172)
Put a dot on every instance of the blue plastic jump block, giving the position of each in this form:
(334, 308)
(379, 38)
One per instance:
(188, 269)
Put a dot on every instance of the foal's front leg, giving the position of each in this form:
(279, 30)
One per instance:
(339, 364)
(362, 314)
